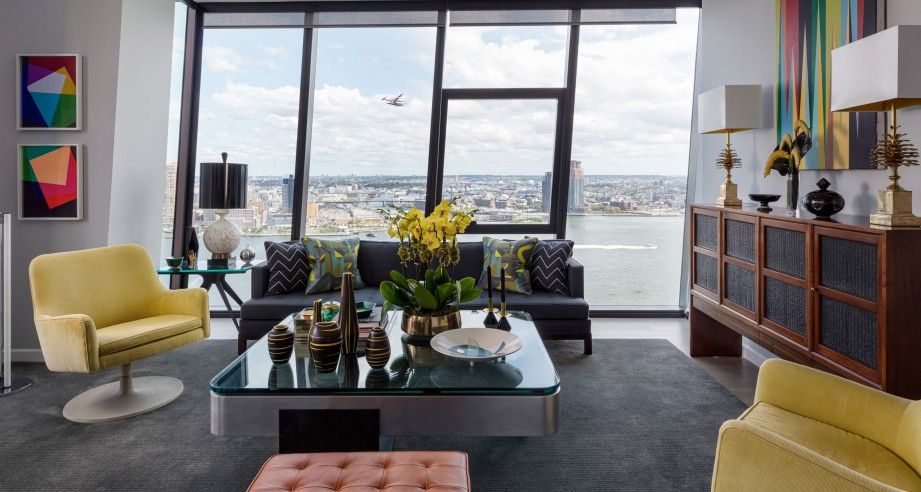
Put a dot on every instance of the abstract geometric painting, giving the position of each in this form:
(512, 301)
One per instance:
(50, 180)
(807, 31)
(48, 92)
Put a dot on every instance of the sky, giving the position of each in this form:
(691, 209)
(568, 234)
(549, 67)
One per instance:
(633, 98)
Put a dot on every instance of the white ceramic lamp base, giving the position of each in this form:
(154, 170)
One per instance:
(221, 237)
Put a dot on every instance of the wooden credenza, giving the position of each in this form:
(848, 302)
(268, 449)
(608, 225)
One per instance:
(835, 294)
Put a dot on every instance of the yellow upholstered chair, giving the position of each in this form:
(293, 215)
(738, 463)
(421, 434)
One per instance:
(809, 430)
(105, 307)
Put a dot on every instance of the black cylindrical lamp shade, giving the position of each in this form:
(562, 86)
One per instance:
(222, 186)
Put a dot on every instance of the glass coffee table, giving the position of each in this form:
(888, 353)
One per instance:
(419, 392)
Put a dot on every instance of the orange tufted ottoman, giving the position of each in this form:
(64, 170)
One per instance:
(390, 471)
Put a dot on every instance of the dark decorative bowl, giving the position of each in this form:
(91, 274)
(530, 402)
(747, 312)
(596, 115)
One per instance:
(364, 309)
(823, 202)
(765, 200)
(174, 262)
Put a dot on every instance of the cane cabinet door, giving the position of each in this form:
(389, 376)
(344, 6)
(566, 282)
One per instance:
(785, 293)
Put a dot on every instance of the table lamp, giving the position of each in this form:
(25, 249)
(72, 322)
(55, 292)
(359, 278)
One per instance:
(222, 186)
(729, 109)
(882, 72)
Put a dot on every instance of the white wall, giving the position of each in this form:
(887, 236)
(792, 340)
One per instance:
(738, 45)
(93, 29)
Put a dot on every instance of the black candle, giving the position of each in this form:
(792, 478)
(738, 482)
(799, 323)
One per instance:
(489, 281)
(502, 283)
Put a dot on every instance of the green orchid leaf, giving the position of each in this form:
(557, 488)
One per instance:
(425, 299)
(399, 279)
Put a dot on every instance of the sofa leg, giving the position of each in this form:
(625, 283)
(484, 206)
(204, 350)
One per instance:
(241, 344)
(588, 344)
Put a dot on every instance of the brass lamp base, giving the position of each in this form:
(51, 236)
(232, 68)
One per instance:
(895, 209)
(729, 195)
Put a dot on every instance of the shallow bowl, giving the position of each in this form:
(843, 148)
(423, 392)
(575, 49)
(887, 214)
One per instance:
(476, 344)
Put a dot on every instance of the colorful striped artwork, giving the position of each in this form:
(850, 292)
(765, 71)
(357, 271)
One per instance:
(807, 31)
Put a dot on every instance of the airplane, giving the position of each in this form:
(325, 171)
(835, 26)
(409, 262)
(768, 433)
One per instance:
(394, 101)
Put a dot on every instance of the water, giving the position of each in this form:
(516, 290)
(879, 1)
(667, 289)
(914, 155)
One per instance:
(629, 260)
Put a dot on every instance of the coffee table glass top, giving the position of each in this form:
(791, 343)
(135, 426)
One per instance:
(202, 267)
(414, 368)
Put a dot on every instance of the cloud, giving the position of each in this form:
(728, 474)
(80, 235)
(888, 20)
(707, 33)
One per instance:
(222, 59)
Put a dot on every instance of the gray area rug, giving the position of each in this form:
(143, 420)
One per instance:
(636, 415)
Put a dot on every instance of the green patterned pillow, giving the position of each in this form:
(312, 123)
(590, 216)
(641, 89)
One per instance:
(329, 259)
(514, 257)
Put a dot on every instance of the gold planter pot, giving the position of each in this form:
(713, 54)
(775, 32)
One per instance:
(429, 326)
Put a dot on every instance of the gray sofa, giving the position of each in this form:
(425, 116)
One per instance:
(557, 316)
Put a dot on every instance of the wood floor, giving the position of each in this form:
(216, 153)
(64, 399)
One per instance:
(738, 375)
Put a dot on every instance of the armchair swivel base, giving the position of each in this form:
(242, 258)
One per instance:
(122, 399)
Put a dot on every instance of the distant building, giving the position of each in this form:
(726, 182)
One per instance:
(545, 189)
(287, 194)
(169, 201)
(576, 187)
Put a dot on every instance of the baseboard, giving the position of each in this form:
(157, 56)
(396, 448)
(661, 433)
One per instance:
(755, 354)
(27, 355)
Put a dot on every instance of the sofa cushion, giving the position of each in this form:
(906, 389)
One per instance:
(329, 259)
(848, 449)
(548, 265)
(288, 266)
(376, 258)
(540, 305)
(277, 307)
(124, 336)
(513, 256)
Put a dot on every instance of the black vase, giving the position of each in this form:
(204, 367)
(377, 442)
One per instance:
(192, 243)
(325, 343)
(377, 351)
(823, 202)
(281, 344)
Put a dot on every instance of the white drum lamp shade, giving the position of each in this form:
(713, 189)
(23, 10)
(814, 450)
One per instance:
(729, 108)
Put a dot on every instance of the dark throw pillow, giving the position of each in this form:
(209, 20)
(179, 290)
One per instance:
(329, 259)
(514, 257)
(548, 265)
(288, 267)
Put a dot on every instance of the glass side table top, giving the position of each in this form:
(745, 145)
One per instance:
(202, 267)
(414, 368)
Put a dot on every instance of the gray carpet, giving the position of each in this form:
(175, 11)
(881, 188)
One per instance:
(636, 415)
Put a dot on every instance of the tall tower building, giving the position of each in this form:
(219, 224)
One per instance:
(576, 187)
(545, 189)
(169, 201)
(287, 194)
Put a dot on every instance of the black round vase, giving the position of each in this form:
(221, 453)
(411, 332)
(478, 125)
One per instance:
(281, 344)
(823, 202)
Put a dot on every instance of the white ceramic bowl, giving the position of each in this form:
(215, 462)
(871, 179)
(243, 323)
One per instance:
(476, 344)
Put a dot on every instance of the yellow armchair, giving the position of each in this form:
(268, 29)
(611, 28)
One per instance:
(105, 307)
(810, 430)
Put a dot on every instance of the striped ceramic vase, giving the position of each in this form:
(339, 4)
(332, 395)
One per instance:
(348, 316)
(281, 344)
(325, 344)
(378, 349)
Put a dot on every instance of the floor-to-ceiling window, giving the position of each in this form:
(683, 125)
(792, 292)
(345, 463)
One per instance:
(371, 113)
(628, 177)
(248, 108)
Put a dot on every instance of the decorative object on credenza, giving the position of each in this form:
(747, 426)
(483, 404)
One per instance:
(764, 200)
(8, 383)
(377, 351)
(823, 202)
(490, 321)
(247, 254)
(788, 158)
(49, 92)
(281, 343)
(503, 307)
(882, 72)
(729, 109)
(50, 182)
(807, 31)
(222, 186)
(174, 262)
(325, 345)
(428, 247)
(348, 317)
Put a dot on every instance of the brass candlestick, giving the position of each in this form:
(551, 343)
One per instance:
(728, 160)
(892, 151)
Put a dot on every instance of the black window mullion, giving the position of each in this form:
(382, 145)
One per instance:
(561, 206)
(436, 151)
(188, 139)
(304, 132)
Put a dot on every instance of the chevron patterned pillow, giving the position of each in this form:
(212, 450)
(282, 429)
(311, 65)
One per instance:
(548, 265)
(288, 267)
